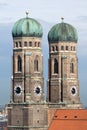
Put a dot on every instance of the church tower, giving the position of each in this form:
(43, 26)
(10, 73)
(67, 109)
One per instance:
(27, 109)
(63, 84)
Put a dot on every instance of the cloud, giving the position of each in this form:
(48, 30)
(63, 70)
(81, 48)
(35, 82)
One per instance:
(5, 19)
(82, 18)
(80, 23)
(3, 4)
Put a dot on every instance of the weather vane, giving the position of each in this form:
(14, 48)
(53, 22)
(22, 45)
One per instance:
(27, 14)
(62, 18)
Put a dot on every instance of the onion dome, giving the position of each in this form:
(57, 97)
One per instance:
(62, 32)
(27, 27)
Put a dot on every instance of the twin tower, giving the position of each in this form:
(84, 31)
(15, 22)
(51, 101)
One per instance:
(27, 109)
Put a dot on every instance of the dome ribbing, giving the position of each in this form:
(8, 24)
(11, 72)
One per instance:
(62, 32)
(27, 27)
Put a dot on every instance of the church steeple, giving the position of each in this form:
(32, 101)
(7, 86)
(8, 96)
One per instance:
(63, 84)
(27, 92)
(29, 87)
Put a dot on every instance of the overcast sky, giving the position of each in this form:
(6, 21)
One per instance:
(48, 10)
(51, 11)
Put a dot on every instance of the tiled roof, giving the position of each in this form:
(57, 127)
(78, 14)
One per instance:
(69, 120)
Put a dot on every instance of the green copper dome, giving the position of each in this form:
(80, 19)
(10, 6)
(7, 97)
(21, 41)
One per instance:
(62, 32)
(27, 27)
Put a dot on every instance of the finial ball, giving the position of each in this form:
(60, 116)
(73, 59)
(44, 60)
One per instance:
(27, 13)
(62, 18)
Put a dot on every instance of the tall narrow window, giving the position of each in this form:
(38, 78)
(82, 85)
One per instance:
(35, 65)
(30, 44)
(16, 44)
(71, 67)
(38, 44)
(71, 48)
(62, 47)
(19, 64)
(25, 44)
(20, 45)
(56, 47)
(66, 47)
(55, 66)
(52, 48)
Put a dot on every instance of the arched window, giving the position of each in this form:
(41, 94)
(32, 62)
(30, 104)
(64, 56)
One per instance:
(16, 44)
(25, 44)
(19, 64)
(71, 67)
(20, 44)
(35, 65)
(62, 47)
(56, 47)
(55, 66)
(38, 44)
(30, 44)
(67, 48)
(53, 48)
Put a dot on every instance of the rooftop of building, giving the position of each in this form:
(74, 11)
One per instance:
(62, 32)
(69, 119)
(27, 27)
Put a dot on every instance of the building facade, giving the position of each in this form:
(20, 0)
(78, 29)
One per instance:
(63, 84)
(27, 109)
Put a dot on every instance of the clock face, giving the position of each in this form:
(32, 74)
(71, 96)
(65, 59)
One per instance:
(38, 90)
(73, 90)
(18, 90)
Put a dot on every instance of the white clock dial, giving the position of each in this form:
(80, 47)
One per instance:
(38, 90)
(18, 90)
(73, 90)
